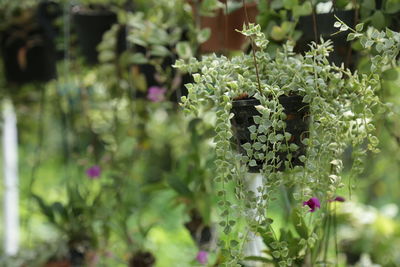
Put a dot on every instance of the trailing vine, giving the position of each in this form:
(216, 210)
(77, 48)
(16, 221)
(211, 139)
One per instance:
(340, 104)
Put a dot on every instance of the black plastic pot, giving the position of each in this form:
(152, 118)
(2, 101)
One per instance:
(77, 258)
(296, 124)
(47, 13)
(200, 232)
(90, 27)
(28, 51)
(142, 259)
(324, 26)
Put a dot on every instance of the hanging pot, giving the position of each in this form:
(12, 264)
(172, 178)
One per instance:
(296, 124)
(90, 25)
(201, 233)
(77, 257)
(324, 25)
(28, 51)
(142, 259)
(223, 28)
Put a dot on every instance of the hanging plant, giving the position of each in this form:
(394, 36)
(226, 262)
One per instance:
(137, 57)
(336, 110)
(27, 44)
(91, 20)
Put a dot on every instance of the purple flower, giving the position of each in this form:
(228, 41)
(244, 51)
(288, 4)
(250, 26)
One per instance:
(338, 199)
(312, 203)
(156, 94)
(202, 257)
(93, 172)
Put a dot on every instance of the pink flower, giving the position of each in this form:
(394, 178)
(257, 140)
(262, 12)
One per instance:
(93, 172)
(312, 203)
(338, 199)
(202, 257)
(156, 94)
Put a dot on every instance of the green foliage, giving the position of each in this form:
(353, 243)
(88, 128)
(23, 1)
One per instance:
(154, 39)
(341, 104)
(384, 44)
(77, 217)
(380, 18)
(100, 3)
(14, 10)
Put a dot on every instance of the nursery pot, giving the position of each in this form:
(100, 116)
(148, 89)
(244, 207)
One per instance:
(77, 257)
(142, 259)
(201, 233)
(325, 29)
(223, 28)
(90, 25)
(28, 52)
(296, 124)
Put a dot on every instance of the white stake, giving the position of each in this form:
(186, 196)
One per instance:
(255, 244)
(10, 166)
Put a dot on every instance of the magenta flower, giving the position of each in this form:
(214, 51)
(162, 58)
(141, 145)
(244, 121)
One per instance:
(312, 203)
(202, 257)
(93, 172)
(156, 94)
(338, 199)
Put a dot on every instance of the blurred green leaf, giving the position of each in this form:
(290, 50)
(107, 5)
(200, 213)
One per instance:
(203, 35)
(391, 74)
(378, 20)
(137, 58)
(184, 50)
(299, 224)
(179, 186)
(160, 51)
(289, 4)
(368, 4)
(106, 56)
(392, 6)
(302, 10)
(46, 210)
(277, 33)
(258, 258)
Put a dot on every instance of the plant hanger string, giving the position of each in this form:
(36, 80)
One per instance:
(226, 27)
(252, 47)
(314, 18)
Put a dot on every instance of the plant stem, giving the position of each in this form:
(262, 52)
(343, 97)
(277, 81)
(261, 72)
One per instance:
(252, 48)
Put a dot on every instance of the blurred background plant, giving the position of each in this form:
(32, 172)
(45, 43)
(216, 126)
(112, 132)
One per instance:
(111, 170)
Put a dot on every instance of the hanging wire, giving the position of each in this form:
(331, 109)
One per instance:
(314, 18)
(252, 48)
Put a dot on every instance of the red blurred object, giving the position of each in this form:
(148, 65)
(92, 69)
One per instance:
(224, 36)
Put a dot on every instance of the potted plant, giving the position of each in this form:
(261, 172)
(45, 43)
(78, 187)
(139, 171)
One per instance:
(91, 20)
(223, 18)
(26, 41)
(140, 53)
(340, 108)
(322, 25)
(76, 218)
